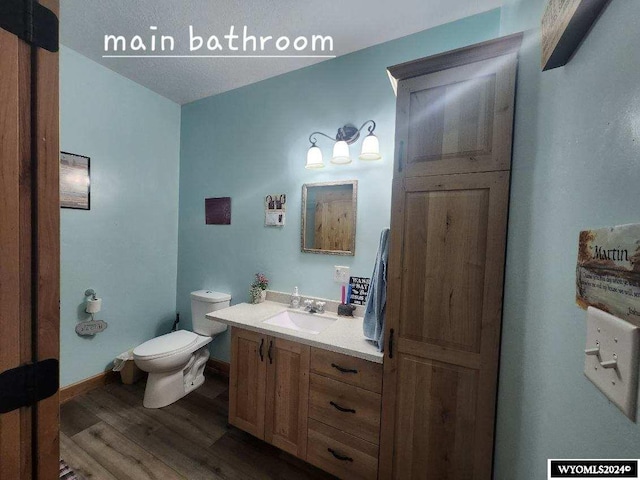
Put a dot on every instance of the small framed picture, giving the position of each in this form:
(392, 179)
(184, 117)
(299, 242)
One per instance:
(75, 181)
(217, 211)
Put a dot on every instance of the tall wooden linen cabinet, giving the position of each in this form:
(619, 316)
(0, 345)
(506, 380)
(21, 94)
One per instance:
(450, 201)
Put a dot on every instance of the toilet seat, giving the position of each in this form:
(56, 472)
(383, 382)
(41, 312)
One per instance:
(166, 345)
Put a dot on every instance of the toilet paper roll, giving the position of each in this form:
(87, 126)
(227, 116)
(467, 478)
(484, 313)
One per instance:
(94, 306)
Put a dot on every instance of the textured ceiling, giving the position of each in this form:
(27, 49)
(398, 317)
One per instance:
(353, 25)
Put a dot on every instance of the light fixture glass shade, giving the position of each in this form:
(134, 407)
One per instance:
(341, 153)
(314, 158)
(370, 148)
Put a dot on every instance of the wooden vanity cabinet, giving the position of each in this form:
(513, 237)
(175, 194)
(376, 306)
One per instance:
(269, 388)
(321, 406)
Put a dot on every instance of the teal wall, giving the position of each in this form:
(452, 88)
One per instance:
(575, 166)
(252, 141)
(126, 246)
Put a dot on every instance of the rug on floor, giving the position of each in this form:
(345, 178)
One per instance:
(67, 473)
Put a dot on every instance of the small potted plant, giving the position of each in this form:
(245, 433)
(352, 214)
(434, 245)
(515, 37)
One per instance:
(258, 290)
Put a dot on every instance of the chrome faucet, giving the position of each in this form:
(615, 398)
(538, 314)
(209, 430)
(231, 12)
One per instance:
(314, 306)
(308, 306)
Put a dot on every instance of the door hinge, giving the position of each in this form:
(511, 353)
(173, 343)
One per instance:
(30, 21)
(27, 385)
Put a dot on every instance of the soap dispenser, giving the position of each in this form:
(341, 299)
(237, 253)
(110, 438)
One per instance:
(295, 298)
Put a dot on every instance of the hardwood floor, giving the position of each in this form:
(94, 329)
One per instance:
(107, 434)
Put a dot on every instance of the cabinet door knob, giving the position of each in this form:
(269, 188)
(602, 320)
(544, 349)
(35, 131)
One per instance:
(391, 343)
(269, 352)
(261, 345)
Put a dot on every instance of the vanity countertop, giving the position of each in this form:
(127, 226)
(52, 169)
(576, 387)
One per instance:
(343, 336)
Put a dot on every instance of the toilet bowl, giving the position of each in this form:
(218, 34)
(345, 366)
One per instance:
(176, 361)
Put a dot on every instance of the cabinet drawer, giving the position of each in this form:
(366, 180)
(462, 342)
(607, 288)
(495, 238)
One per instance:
(348, 408)
(351, 370)
(341, 454)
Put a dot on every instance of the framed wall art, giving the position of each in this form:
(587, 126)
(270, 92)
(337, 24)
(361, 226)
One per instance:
(75, 181)
(217, 211)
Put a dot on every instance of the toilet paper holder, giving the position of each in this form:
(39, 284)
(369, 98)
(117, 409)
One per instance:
(93, 306)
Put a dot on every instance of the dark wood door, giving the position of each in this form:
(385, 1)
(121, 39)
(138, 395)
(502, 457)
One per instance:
(247, 381)
(444, 312)
(457, 120)
(287, 396)
(29, 246)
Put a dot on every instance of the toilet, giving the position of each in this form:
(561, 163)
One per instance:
(176, 361)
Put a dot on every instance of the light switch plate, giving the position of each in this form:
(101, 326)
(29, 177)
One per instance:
(615, 339)
(341, 274)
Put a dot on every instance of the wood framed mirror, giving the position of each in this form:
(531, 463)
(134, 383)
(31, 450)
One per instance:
(329, 217)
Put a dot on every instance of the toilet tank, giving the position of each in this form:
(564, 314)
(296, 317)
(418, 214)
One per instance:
(207, 301)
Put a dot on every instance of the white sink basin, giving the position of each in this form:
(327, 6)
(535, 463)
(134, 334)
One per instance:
(301, 322)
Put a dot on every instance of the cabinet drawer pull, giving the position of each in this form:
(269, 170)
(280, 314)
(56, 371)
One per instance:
(342, 409)
(338, 456)
(261, 345)
(269, 352)
(344, 370)
(391, 343)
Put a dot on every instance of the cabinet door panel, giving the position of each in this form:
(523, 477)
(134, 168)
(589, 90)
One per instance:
(444, 305)
(247, 381)
(445, 245)
(458, 120)
(287, 396)
(440, 399)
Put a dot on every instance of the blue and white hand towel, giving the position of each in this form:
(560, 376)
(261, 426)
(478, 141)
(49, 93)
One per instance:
(373, 325)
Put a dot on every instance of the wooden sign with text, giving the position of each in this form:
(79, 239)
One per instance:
(608, 271)
(564, 24)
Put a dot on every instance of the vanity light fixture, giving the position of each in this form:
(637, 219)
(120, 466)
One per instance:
(346, 136)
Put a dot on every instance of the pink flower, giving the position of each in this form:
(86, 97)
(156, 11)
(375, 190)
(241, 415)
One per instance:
(261, 281)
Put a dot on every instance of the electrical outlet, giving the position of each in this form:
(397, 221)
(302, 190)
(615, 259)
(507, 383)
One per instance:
(341, 274)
